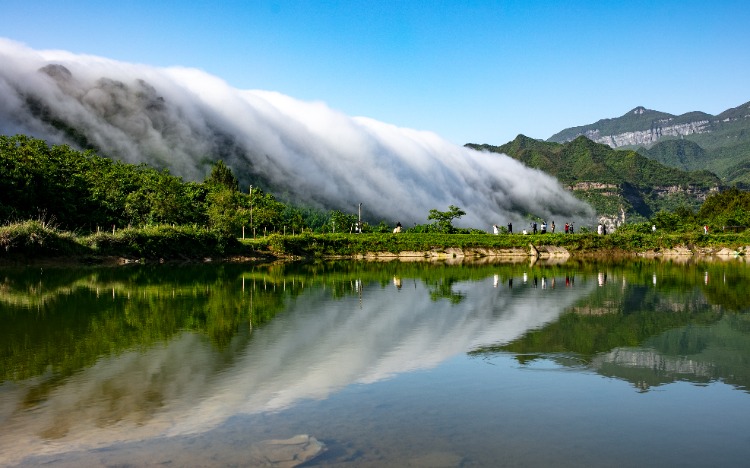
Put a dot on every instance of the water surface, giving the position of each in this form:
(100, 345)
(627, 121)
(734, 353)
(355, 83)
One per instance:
(393, 364)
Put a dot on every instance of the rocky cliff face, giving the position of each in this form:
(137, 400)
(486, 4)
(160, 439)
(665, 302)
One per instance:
(659, 128)
(650, 136)
(699, 193)
(645, 127)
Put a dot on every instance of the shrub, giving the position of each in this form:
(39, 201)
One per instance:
(162, 241)
(36, 239)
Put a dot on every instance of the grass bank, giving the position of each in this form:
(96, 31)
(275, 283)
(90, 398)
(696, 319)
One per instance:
(35, 240)
(584, 244)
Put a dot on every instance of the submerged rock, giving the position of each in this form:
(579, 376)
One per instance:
(285, 453)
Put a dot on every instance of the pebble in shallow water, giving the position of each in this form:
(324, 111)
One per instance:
(285, 453)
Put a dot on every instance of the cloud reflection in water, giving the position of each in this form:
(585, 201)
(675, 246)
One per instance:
(316, 347)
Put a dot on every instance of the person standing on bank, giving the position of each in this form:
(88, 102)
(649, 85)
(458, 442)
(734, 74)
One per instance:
(510, 228)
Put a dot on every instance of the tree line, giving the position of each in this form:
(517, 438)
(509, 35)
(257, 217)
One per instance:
(83, 192)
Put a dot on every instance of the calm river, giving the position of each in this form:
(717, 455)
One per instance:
(376, 364)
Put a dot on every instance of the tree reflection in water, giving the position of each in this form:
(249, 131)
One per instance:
(97, 356)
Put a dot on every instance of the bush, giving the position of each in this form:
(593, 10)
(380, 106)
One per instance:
(37, 239)
(162, 241)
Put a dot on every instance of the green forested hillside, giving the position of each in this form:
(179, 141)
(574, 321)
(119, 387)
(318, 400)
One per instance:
(82, 191)
(612, 180)
(681, 154)
(730, 162)
(739, 174)
(691, 141)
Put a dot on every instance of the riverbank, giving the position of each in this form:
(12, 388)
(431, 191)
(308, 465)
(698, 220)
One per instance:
(554, 254)
(34, 242)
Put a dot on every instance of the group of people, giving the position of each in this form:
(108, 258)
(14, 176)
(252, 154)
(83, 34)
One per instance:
(536, 228)
(544, 227)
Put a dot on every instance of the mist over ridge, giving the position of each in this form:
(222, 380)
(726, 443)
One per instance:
(184, 119)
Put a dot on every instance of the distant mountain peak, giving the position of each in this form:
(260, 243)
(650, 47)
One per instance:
(646, 127)
(690, 141)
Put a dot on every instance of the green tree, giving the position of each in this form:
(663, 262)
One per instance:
(666, 220)
(224, 213)
(157, 199)
(342, 222)
(222, 177)
(730, 207)
(292, 218)
(263, 212)
(382, 227)
(444, 219)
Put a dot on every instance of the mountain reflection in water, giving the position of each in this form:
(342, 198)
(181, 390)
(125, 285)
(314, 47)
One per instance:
(306, 332)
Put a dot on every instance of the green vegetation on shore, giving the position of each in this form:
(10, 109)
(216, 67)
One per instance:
(34, 240)
(58, 202)
(84, 192)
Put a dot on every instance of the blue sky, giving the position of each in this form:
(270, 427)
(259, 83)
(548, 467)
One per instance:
(471, 71)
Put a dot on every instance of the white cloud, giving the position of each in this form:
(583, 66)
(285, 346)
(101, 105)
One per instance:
(179, 117)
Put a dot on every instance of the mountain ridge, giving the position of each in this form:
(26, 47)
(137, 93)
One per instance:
(719, 143)
(641, 126)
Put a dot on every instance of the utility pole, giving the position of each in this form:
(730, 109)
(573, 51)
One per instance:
(251, 211)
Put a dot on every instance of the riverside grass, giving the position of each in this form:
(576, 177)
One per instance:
(634, 242)
(40, 240)
(36, 240)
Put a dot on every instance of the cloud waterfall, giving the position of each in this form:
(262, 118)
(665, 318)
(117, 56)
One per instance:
(183, 119)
